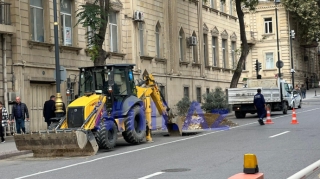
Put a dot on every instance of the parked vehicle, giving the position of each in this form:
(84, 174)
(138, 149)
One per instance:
(241, 99)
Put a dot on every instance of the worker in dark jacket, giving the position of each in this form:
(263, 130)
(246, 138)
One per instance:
(20, 113)
(260, 106)
(48, 110)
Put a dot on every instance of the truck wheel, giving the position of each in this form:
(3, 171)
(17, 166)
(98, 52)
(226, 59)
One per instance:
(135, 126)
(285, 108)
(240, 114)
(107, 135)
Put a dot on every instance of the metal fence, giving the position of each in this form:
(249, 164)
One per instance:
(5, 13)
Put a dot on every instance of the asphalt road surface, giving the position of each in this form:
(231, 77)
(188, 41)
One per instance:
(282, 149)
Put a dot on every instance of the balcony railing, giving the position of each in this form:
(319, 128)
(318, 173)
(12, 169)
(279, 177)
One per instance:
(5, 13)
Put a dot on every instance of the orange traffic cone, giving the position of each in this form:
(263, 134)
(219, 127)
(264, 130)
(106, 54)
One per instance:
(294, 117)
(268, 121)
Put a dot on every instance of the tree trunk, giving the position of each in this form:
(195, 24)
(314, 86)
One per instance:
(105, 7)
(244, 47)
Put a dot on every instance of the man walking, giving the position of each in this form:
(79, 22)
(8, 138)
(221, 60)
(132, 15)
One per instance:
(3, 121)
(260, 105)
(48, 110)
(19, 112)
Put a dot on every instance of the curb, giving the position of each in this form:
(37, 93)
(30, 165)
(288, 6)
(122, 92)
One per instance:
(13, 154)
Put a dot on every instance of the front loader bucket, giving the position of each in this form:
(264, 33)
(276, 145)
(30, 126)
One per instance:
(58, 143)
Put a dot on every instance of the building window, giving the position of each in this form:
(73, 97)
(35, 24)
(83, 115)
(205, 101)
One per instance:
(222, 6)
(181, 37)
(214, 51)
(233, 53)
(231, 7)
(198, 91)
(113, 30)
(186, 92)
(163, 91)
(140, 26)
(158, 40)
(66, 22)
(268, 25)
(205, 49)
(244, 66)
(269, 60)
(36, 17)
(224, 53)
(207, 90)
(212, 3)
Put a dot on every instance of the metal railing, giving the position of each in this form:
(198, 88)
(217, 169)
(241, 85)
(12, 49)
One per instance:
(5, 13)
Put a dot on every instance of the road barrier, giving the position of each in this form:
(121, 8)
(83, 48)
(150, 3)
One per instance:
(304, 173)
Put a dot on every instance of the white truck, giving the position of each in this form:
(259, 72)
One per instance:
(241, 99)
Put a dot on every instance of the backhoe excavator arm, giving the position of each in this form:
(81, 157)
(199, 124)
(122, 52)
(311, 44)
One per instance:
(151, 90)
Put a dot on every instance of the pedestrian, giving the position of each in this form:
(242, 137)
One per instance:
(303, 91)
(19, 114)
(48, 110)
(307, 83)
(3, 121)
(260, 105)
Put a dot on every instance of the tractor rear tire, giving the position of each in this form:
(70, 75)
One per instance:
(135, 126)
(107, 135)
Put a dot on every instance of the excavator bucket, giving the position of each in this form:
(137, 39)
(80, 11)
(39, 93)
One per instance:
(58, 143)
(174, 124)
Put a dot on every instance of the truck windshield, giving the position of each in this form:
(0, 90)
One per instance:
(286, 87)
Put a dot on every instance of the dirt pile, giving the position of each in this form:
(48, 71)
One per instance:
(205, 121)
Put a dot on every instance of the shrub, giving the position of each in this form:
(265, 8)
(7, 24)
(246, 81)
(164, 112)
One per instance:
(183, 106)
(215, 100)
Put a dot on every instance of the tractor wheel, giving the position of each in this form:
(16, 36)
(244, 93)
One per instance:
(135, 126)
(107, 135)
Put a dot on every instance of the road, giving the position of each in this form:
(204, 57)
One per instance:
(282, 149)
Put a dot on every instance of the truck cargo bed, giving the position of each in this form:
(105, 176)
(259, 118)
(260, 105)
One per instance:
(245, 95)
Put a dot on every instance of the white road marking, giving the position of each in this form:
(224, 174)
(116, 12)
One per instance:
(145, 148)
(279, 134)
(152, 175)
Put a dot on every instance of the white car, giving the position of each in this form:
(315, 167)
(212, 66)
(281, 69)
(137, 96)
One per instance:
(296, 99)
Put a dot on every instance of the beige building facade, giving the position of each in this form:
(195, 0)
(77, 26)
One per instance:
(188, 45)
(262, 37)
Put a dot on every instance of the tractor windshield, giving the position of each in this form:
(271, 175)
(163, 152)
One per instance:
(93, 81)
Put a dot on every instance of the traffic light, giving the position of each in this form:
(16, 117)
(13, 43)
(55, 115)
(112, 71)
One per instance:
(257, 66)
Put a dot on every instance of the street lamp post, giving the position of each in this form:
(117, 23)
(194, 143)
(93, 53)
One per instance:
(59, 103)
(279, 73)
(292, 34)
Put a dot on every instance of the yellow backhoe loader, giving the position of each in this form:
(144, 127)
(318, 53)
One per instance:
(110, 103)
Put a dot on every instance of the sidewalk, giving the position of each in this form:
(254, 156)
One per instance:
(8, 149)
(311, 93)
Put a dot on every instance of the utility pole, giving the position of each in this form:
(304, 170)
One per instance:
(59, 103)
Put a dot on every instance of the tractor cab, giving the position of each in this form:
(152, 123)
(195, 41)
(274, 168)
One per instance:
(114, 81)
